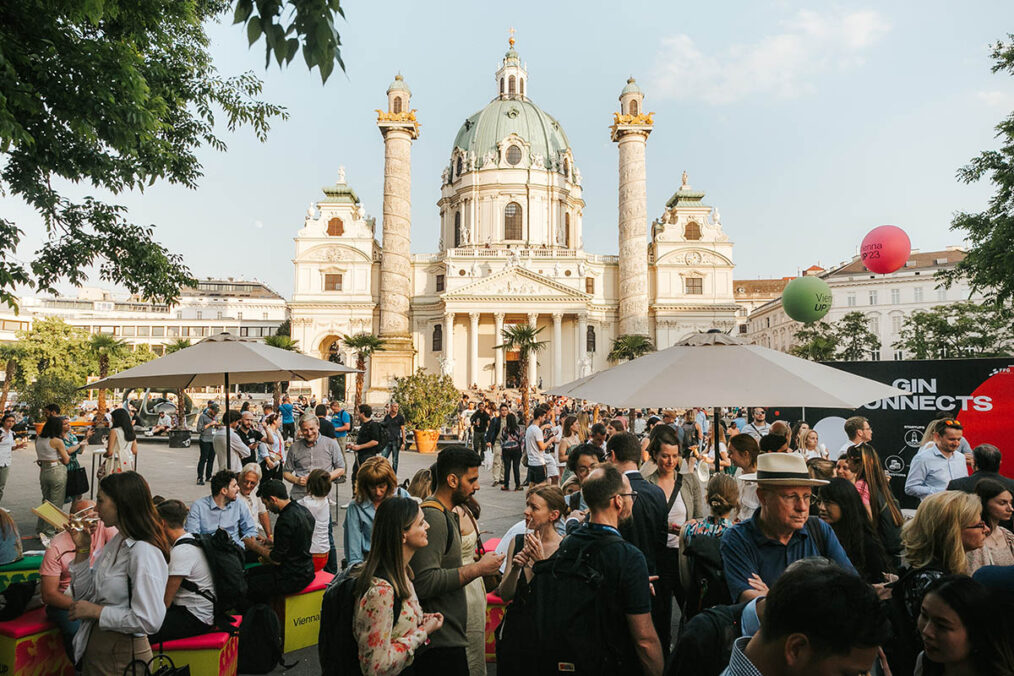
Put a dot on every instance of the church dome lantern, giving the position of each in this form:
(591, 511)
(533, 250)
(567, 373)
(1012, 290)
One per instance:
(399, 96)
(632, 98)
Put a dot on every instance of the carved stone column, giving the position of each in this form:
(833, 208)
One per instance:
(533, 359)
(448, 360)
(473, 348)
(557, 349)
(498, 354)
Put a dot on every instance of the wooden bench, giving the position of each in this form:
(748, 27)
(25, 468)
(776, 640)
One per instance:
(300, 614)
(31, 644)
(214, 653)
(22, 570)
(495, 607)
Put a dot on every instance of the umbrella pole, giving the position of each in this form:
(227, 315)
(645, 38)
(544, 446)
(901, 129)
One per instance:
(714, 438)
(228, 442)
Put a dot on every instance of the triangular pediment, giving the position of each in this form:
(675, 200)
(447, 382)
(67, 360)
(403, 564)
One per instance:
(516, 284)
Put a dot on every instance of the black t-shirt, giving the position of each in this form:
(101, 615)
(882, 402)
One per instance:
(326, 427)
(480, 421)
(291, 551)
(394, 426)
(249, 437)
(369, 431)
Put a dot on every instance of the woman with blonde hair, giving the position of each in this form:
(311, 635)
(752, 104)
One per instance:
(375, 482)
(945, 528)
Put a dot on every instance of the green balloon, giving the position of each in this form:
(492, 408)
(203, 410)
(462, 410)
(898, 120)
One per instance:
(806, 299)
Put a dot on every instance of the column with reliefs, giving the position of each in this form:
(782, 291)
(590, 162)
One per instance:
(630, 132)
(399, 128)
(448, 363)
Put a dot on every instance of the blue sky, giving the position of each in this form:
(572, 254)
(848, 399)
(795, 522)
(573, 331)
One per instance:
(807, 124)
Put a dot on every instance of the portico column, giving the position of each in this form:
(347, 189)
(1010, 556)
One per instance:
(498, 354)
(582, 344)
(533, 359)
(557, 349)
(473, 348)
(449, 344)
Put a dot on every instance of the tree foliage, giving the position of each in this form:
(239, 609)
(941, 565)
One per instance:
(523, 338)
(956, 330)
(364, 344)
(49, 388)
(989, 263)
(815, 341)
(117, 95)
(630, 346)
(53, 347)
(848, 339)
(426, 399)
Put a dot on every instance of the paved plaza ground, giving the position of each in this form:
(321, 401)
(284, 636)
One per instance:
(172, 472)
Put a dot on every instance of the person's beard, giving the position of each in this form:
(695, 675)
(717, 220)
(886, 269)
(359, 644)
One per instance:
(460, 495)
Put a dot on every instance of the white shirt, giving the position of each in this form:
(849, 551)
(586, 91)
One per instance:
(105, 583)
(256, 507)
(6, 447)
(507, 539)
(239, 451)
(190, 562)
(165, 420)
(841, 451)
(321, 511)
(533, 435)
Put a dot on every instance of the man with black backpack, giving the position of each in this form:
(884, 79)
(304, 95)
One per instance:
(591, 601)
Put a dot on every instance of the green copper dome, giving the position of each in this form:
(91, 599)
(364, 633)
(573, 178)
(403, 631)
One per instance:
(502, 117)
(631, 87)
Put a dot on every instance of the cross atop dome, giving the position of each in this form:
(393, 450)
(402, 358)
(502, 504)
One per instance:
(512, 78)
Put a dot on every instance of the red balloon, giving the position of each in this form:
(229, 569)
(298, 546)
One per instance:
(885, 249)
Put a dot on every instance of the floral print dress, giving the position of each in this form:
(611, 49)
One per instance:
(387, 647)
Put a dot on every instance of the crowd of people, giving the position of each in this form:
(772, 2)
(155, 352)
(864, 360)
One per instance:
(650, 542)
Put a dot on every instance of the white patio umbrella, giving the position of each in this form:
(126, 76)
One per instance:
(713, 369)
(223, 359)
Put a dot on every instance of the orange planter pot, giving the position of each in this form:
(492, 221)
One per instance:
(426, 440)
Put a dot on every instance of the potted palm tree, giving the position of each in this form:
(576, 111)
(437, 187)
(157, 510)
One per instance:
(364, 344)
(524, 339)
(426, 401)
(179, 437)
(282, 342)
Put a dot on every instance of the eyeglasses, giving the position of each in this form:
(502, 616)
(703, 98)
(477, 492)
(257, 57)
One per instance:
(632, 495)
(978, 526)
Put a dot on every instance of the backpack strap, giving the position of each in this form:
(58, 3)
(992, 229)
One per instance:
(436, 504)
(813, 527)
(189, 585)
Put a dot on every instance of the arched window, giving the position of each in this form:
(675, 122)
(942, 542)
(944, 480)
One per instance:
(458, 167)
(397, 104)
(512, 86)
(566, 168)
(590, 341)
(501, 86)
(512, 221)
(335, 227)
(521, 86)
(438, 338)
(513, 155)
(566, 230)
(457, 229)
(633, 107)
(692, 231)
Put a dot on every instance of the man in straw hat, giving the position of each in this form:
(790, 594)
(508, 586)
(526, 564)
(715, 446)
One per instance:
(756, 551)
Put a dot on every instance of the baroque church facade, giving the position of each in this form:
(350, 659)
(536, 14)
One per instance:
(511, 250)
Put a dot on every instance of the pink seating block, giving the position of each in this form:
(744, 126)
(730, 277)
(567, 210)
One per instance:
(491, 544)
(30, 623)
(320, 581)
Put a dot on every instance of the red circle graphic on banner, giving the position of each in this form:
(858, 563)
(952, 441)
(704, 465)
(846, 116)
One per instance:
(992, 426)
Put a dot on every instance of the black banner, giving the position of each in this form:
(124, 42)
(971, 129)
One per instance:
(978, 392)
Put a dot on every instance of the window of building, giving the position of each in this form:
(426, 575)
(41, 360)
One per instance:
(158, 349)
(457, 229)
(521, 86)
(895, 296)
(438, 338)
(501, 86)
(244, 332)
(589, 285)
(899, 355)
(158, 332)
(590, 341)
(917, 294)
(874, 355)
(335, 227)
(512, 221)
(566, 230)
(873, 297)
(742, 328)
(874, 324)
(264, 315)
(239, 316)
(566, 168)
(179, 315)
(397, 104)
(332, 282)
(143, 331)
(511, 86)
(850, 300)
(129, 331)
(513, 155)
(896, 324)
(440, 283)
(218, 314)
(941, 293)
(633, 107)
(692, 231)
(173, 332)
(459, 166)
(200, 315)
(695, 285)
